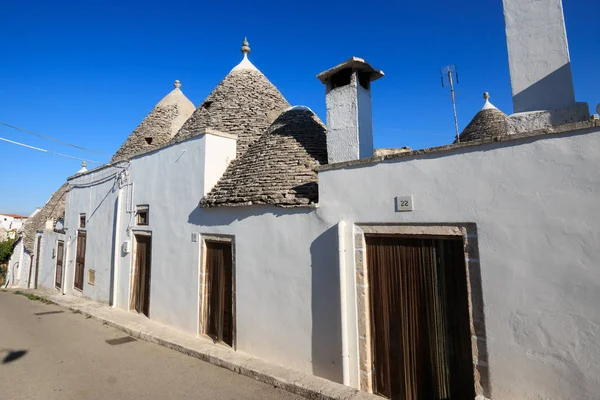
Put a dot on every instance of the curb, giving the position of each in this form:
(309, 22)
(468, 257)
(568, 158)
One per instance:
(302, 384)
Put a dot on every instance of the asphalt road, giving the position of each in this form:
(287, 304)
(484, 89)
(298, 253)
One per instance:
(47, 352)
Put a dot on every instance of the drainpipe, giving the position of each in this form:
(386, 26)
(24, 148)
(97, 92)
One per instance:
(343, 303)
(117, 250)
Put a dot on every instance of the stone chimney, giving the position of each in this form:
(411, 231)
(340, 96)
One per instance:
(540, 67)
(349, 119)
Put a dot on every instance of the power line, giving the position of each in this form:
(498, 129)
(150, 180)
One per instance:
(50, 152)
(52, 139)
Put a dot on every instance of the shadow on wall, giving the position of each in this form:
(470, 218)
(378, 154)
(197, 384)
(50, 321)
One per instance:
(550, 93)
(216, 216)
(325, 307)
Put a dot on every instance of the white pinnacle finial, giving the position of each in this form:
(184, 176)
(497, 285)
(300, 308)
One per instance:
(177, 84)
(487, 105)
(245, 47)
(83, 167)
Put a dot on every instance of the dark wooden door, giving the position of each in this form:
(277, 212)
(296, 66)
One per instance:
(80, 259)
(141, 286)
(220, 291)
(420, 319)
(30, 269)
(60, 253)
(37, 261)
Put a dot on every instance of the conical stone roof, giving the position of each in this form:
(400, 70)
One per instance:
(244, 103)
(279, 169)
(159, 127)
(488, 122)
(52, 210)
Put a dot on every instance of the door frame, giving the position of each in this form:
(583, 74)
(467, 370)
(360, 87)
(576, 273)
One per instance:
(62, 268)
(468, 233)
(38, 253)
(133, 266)
(203, 285)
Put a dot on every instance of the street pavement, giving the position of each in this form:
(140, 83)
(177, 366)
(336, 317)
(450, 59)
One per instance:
(47, 352)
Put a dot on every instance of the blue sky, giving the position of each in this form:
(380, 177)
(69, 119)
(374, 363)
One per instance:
(89, 72)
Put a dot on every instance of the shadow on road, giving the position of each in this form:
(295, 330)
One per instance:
(13, 355)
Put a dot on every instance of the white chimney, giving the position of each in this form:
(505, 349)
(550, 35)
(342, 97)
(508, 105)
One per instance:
(540, 66)
(349, 119)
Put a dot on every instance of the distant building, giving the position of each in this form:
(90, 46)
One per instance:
(12, 221)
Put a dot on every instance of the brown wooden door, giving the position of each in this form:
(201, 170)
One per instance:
(420, 319)
(60, 254)
(80, 259)
(37, 261)
(30, 269)
(141, 284)
(219, 291)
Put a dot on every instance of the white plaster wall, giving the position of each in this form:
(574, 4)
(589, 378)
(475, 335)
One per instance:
(286, 267)
(48, 259)
(95, 195)
(23, 271)
(342, 123)
(535, 203)
(13, 274)
(365, 122)
(538, 55)
(220, 152)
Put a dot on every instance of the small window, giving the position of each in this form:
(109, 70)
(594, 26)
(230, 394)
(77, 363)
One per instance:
(148, 140)
(207, 104)
(81, 221)
(142, 215)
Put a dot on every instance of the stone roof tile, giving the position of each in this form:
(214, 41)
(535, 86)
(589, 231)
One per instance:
(52, 210)
(279, 168)
(244, 103)
(159, 127)
(488, 122)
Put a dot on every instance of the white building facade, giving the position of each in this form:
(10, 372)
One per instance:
(251, 226)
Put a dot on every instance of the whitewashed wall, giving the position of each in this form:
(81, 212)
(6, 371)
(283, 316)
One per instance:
(47, 271)
(13, 275)
(285, 260)
(535, 202)
(95, 195)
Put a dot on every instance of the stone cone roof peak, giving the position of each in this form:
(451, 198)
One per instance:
(245, 64)
(487, 105)
(244, 103)
(159, 126)
(488, 122)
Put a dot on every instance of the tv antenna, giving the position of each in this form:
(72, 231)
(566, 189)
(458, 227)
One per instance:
(447, 74)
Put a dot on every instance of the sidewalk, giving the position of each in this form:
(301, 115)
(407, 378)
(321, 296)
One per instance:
(140, 327)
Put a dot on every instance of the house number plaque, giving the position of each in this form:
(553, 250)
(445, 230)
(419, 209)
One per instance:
(404, 203)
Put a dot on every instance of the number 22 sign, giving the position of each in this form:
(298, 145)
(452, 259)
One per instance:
(404, 203)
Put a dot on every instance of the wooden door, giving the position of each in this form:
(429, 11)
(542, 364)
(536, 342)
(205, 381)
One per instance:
(219, 324)
(37, 261)
(60, 253)
(420, 319)
(30, 269)
(80, 259)
(141, 284)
